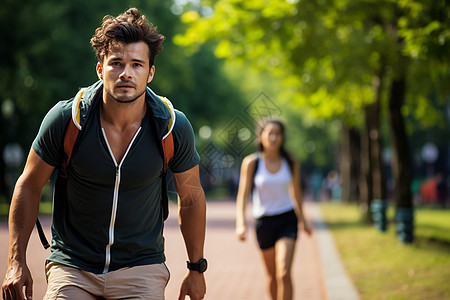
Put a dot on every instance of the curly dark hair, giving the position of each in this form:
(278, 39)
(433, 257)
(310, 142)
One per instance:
(128, 27)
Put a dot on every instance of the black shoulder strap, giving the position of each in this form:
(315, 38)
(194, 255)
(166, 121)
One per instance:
(254, 172)
(70, 137)
(166, 147)
(42, 235)
(168, 152)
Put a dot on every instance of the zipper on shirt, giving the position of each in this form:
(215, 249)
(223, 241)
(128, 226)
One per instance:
(115, 199)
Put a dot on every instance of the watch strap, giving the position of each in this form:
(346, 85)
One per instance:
(199, 266)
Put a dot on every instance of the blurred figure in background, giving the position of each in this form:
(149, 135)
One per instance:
(272, 177)
(315, 183)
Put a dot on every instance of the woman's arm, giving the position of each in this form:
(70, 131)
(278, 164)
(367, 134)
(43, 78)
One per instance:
(244, 190)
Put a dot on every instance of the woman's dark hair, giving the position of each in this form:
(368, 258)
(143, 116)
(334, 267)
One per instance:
(283, 152)
(128, 27)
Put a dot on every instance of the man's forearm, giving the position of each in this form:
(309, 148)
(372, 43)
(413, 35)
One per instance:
(22, 217)
(192, 220)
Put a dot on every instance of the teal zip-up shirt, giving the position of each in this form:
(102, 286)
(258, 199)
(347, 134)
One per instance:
(107, 215)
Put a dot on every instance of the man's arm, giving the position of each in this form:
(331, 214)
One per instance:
(192, 220)
(22, 217)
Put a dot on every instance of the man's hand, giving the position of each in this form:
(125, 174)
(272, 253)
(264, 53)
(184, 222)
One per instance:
(193, 286)
(23, 212)
(17, 277)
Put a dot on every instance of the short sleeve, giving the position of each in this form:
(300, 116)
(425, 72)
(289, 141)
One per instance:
(48, 143)
(185, 156)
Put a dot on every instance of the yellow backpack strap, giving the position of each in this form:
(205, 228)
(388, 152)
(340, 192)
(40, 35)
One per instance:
(76, 108)
(172, 115)
(167, 141)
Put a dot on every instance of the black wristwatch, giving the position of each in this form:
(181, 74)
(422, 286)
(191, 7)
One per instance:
(199, 266)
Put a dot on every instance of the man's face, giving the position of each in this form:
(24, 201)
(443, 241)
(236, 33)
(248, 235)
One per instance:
(126, 71)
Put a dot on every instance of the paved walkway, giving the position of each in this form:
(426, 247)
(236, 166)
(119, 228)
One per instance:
(235, 268)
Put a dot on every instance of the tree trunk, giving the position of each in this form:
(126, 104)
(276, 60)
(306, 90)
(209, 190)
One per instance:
(401, 152)
(378, 176)
(344, 163)
(402, 170)
(365, 179)
(349, 164)
(372, 172)
(355, 155)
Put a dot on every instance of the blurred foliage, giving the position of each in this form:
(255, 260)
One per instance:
(46, 57)
(327, 52)
(325, 55)
(314, 60)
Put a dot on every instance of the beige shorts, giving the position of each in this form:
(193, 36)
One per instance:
(141, 282)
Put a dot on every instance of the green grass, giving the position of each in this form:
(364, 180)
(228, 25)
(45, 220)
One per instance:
(4, 208)
(44, 208)
(382, 267)
(217, 193)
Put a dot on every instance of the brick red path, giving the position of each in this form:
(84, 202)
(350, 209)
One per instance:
(235, 268)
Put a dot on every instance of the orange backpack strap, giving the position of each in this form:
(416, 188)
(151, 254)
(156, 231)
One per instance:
(168, 150)
(72, 130)
(70, 138)
(69, 141)
(167, 141)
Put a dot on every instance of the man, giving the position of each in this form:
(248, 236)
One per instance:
(108, 215)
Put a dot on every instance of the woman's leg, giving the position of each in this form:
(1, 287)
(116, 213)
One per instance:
(284, 254)
(268, 256)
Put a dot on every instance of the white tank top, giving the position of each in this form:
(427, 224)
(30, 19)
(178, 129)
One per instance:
(271, 191)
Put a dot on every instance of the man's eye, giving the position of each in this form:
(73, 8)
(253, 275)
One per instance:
(115, 63)
(137, 65)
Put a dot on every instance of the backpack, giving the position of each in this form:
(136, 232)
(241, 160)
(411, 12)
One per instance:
(70, 138)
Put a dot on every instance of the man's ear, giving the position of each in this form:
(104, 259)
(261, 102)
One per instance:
(151, 74)
(99, 70)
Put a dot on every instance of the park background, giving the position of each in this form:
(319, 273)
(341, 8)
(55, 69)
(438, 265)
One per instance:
(363, 87)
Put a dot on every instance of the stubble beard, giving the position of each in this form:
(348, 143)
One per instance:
(126, 101)
(129, 100)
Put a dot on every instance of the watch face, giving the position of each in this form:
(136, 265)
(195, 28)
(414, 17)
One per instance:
(202, 265)
(199, 266)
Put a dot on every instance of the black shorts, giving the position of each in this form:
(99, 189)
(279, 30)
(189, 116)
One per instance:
(270, 229)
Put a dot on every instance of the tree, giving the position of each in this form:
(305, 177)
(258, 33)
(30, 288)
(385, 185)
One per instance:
(421, 32)
(329, 55)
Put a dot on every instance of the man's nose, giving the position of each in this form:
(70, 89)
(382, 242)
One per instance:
(126, 72)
